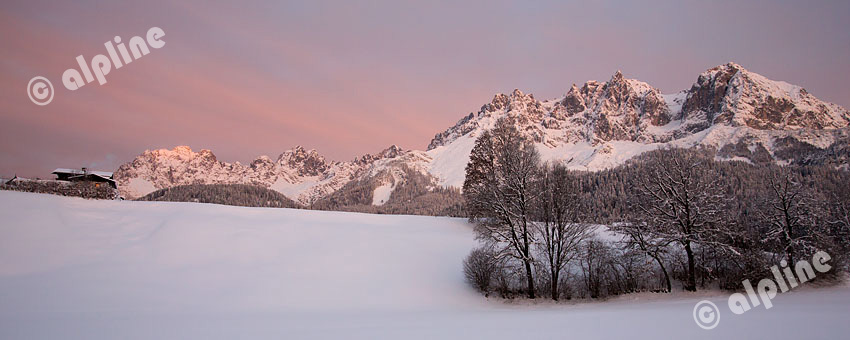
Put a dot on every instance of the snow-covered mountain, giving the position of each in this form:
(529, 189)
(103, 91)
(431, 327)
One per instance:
(593, 126)
(301, 175)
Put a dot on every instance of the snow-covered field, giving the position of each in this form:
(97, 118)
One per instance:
(77, 269)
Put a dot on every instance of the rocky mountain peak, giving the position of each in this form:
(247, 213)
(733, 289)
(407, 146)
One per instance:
(730, 94)
(573, 102)
(515, 102)
(306, 162)
(262, 162)
(517, 94)
(181, 151)
(617, 77)
(500, 101)
(622, 108)
(729, 68)
(391, 152)
(206, 154)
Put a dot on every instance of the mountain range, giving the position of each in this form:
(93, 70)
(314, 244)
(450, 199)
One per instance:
(594, 126)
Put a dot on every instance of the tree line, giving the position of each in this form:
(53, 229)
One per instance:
(84, 189)
(668, 219)
(415, 194)
(228, 194)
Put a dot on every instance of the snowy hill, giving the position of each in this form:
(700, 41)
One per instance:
(85, 269)
(594, 126)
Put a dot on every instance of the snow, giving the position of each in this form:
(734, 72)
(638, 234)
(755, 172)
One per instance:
(449, 161)
(575, 156)
(139, 187)
(735, 159)
(82, 269)
(584, 156)
(382, 194)
(776, 88)
(641, 88)
(675, 101)
(294, 190)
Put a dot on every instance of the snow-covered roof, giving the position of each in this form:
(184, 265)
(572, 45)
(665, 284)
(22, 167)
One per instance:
(106, 174)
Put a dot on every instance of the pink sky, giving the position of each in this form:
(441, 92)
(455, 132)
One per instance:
(346, 78)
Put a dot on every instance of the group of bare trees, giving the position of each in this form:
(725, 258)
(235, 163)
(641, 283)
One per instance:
(678, 218)
(559, 232)
(524, 211)
(731, 221)
(680, 202)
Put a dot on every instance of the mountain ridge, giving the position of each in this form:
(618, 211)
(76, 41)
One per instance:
(593, 126)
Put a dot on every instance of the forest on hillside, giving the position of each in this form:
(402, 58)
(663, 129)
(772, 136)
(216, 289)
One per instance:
(227, 194)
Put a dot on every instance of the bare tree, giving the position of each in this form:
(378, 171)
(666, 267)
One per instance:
(642, 237)
(595, 262)
(558, 228)
(681, 197)
(841, 220)
(480, 268)
(839, 223)
(789, 213)
(499, 192)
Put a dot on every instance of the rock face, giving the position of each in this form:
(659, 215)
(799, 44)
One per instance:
(305, 163)
(730, 94)
(624, 109)
(593, 126)
(620, 109)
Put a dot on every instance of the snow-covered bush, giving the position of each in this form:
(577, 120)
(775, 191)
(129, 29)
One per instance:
(481, 268)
